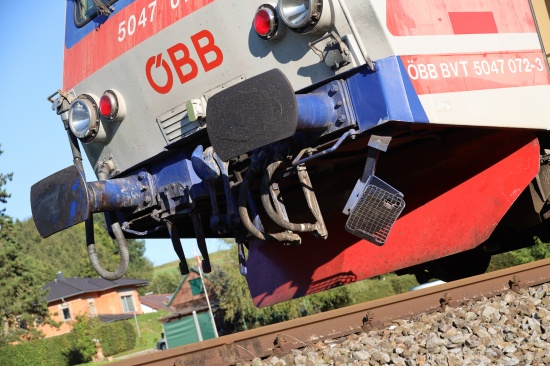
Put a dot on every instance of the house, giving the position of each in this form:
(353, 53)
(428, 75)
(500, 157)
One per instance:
(190, 293)
(108, 300)
(191, 309)
(153, 303)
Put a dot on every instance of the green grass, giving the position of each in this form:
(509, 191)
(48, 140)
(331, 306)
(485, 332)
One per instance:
(150, 329)
(215, 257)
(167, 267)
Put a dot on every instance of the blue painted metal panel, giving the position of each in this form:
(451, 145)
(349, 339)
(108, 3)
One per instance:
(113, 194)
(385, 94)
(315, 111)
(60, 201)
(171, 169)
(418, 113)
(178, 168)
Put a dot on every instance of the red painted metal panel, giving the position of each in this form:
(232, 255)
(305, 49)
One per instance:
(432, 74)
(113, 38)
(443, 218)
(432, 17)
(473, 22)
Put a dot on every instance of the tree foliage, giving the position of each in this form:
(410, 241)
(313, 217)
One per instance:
(536, 252)
(22, 299)
(66, 251)
(5, 221)
(239, 311)
(164, 283)
(28, 262)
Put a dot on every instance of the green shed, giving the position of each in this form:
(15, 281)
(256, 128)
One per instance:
(179, 329)
(190, 297)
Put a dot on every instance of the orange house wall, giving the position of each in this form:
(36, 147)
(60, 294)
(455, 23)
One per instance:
(108, 302)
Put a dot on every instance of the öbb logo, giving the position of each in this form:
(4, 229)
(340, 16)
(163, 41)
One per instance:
(186, 68)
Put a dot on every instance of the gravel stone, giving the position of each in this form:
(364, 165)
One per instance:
(361, 355)
(510, 329)
(381, 357)
(509, 349)
(510, 361)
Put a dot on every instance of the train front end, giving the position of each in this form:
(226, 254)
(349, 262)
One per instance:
(334, 140)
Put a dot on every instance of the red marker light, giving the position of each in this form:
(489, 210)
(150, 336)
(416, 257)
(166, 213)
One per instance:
(266, 23)
(262, 22)
(111, 106)
(105, 106)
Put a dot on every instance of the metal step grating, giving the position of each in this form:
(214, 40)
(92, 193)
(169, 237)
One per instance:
(375, 212)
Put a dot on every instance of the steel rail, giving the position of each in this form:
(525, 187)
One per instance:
(279, 338)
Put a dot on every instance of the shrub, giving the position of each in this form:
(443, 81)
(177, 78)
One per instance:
(116, 337)
(72, 348)
(48, 351)
(82, 339)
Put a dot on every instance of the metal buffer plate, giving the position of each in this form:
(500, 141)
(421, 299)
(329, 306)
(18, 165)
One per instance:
(252, 114)
(59, 201)
(376, 209)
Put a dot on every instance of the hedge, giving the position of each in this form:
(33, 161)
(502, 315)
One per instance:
(61, 350)
(116, 337)
(48, 351)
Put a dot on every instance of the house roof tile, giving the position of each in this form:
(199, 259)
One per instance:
(158, 301)
(107, 318)
(63, 288)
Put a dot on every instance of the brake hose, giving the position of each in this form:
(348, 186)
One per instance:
(276, 217)
(245, 219)
(94, 259)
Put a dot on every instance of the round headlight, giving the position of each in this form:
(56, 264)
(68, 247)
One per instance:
(305, 16)
(84, 118)
(298, 13)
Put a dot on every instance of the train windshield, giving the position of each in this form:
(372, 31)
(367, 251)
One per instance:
(86, 10)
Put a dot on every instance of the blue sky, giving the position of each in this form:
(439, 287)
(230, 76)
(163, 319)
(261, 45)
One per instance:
(31, 134)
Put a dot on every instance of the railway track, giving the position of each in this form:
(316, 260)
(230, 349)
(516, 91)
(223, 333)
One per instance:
(279, 339)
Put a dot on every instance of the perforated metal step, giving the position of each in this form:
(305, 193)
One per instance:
(376, 210)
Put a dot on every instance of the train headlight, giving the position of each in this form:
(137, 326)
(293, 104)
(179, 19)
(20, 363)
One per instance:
(84, 119)
(305, 16)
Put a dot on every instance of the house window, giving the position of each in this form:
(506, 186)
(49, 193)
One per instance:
(196, 286)
(65, 311)
(23, 324)
(91, 303)
(128, 303)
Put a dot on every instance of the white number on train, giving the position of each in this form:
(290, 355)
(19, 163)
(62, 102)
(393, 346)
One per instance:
(128, 27)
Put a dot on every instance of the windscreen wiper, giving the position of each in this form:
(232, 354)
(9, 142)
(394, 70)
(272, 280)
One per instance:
(102, 9)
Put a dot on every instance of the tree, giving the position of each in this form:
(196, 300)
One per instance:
(66, 251)
(22, 298)
(5, 221)
(239, 311)
(164, 283)
(538, 251)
